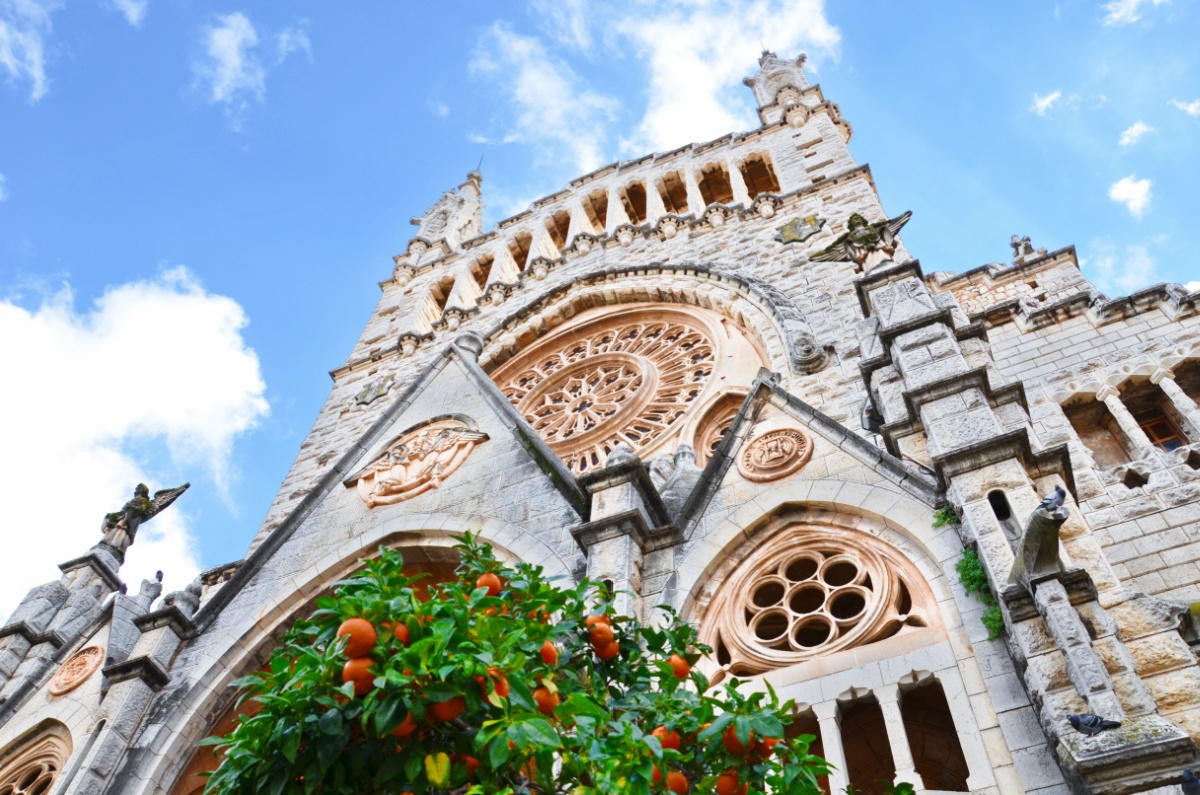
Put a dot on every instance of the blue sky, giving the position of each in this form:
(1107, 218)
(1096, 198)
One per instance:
(198, 198)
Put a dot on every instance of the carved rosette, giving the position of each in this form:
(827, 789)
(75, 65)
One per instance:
(775, 454)
(626, 376)
(811, 591)
(416, 462)
(75, 671)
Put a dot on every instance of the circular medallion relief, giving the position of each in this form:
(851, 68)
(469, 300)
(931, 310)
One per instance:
(626, 375)
(75, 671)
(775, 454)
(810, 591)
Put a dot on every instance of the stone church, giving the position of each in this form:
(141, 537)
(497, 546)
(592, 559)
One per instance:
(716, 378)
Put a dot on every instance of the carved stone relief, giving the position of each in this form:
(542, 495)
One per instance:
(75, 670)
(813, 590)
(714, 424)
(775, 454)
(33, 768)
(627, 375)
(374, 390)
(416, 462)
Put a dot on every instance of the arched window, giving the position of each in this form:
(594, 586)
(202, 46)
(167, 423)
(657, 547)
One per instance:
(30, 766)
(1003, 513)
(869, 761)
(937, 754)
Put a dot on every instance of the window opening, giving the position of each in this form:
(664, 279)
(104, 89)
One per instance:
(1161, 431)
(633, 198)
(929, 724)
(482, 270)
(559, 225)
(673, 190)
(1099, 432)
(519, 248)
(806, 723)
(869, 762)
(595, 207)
(1003, 513)
(714, 185)
(759, 176)
(440, 295)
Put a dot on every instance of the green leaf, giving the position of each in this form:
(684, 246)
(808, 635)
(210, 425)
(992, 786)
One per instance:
(331, 721)
(393, 765)
(541, 732)
(579, 704)
(498, 751)
(437, 769)
(291, 743)
(389, 714)
(519, 694)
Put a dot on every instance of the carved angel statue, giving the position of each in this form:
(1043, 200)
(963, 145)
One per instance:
(868, 244)
(416, 462)
(120, 527)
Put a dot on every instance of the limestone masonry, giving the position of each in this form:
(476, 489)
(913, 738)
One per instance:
(716, 378)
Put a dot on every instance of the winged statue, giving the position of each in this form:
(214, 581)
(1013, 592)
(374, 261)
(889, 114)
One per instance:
(120, 527)
(868, 244)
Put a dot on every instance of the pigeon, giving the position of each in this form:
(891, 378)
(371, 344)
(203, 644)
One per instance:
(1091, 725)
(158, 575)
(124, 589)
(1191, 784)
(1054, 500)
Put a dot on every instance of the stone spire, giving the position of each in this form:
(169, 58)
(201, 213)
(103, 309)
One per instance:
(775, 74)
(455, 217)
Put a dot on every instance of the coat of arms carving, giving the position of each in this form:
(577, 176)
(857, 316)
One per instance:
(374, 390)
(800, 229)
(416, 462)
(75, 671)
(775, 454)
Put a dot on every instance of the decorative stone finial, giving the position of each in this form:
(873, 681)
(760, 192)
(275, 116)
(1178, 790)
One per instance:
(621, 454)
(774, 74)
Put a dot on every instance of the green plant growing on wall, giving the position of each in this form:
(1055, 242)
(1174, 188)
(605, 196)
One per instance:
(944, 516)
(975, 580)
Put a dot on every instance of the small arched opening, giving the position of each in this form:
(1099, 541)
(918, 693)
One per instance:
(937, 754)
(869, 763)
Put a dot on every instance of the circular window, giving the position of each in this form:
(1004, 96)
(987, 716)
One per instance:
(810, 591)
(619, 375)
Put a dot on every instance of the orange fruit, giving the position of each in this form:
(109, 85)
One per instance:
(447, 710)
(500, 682)
(591, 621)
(489, 581)
(765, 747)
(401, 632)
(472, 764)
(362, 636)
(358, 671)
(733, 745)
(546, 700)
(549, 653)
(677, 782)
(667, 739)
(609, 651)
(656, 776)
(727, 784)
(601, 635)
(681, 666)
(406, 727)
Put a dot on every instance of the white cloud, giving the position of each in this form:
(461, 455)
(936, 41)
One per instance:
(566, 21)
(440, 109)
(232, 70)
(290, 40)
(1133, 193)
(1125, 12)
(134, 10)
(24, 24)
(1192, 287)
(553, 107)
(1135, 133)
(1042, 104)
(1190, 108)
(3, 191)
(1121, 274)
(156, 363)
(697, 54)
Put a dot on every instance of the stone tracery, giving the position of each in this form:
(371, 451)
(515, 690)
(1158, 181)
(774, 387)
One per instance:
(625, 376)
(34, 766)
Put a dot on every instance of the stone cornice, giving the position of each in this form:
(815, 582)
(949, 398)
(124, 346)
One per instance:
(138, 668)
(1172, 299)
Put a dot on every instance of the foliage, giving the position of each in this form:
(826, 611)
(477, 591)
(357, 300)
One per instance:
(975, 580)
(529, 723)
(944, 516)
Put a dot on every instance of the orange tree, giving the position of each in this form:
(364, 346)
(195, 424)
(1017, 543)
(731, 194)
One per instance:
(500, 682)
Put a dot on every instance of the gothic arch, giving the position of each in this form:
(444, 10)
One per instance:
(31, 764)
(890, 516)
(195, 711)
(768, 316)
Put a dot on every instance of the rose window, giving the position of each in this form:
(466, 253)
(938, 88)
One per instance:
(811, 591)
(623, 376)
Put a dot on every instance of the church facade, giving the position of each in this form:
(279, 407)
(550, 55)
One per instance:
(716, 378)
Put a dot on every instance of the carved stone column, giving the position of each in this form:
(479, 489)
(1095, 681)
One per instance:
(1111, 398)
(888, 697)
(616, 211)
(1179, 399)
(694, 197)
(831, 742)
(741, 195)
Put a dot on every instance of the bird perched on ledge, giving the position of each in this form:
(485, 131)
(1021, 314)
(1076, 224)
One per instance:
(1053, 500)
(1090, 724)
(1191, 784)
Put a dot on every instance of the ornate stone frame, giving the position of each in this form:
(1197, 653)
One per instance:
(44, 751)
